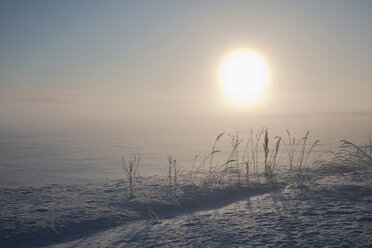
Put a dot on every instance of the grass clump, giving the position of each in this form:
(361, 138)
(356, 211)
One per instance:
(240, 161)
(258, 159)
(131, 173)
(298, 157)
(251, 154)
(351, 156)
(207, 175)
(270, 162)
(172, 171)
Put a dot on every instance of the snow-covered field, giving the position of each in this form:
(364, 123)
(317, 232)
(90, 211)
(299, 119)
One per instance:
(333, 209)
(334, 212)
(63, 191)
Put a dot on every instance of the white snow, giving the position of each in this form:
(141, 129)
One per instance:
(63, 190)
(333, 210)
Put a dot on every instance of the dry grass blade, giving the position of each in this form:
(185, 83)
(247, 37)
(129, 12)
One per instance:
(266, 151)
(131, 172)
(348, 144)
(214, 147)
(172, 171)
(205, 159)
(311, 149)
(302, 153)
(153, 216)
(351, 156)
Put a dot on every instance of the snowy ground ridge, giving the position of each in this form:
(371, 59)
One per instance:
(27, 213)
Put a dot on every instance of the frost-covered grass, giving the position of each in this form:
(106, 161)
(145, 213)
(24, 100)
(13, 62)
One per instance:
(61, 213)
(351, 156)
(270, 162)
(172, 172)
(245, 162)
(131, 172)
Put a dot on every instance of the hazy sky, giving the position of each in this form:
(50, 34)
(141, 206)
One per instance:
(164, 55)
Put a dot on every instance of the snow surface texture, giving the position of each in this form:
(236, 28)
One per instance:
(333, 210)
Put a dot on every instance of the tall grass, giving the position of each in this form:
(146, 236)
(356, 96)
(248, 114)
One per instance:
(270, 162)
(234, 160)
(212, 168)
(255, 141)
(352, 156)
(131, 172)
(240, 160)
(206, 176)
(298, 157)
(172, 171)
(214, 149)
(196, 171)
(249, 159)
(243, 159)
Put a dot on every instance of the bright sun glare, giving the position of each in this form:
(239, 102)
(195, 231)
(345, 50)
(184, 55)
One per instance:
(243, 77)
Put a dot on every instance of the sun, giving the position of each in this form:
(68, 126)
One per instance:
(243, 75)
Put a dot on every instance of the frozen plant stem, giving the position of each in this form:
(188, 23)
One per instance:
(254, 150)
(51, 225)
(270, 162)
(131, 172)
(301, 156)
(214, 150)
(153, 216)
(266, 151)
(172, 172)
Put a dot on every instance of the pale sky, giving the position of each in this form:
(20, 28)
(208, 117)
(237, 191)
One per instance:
(164, 55)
